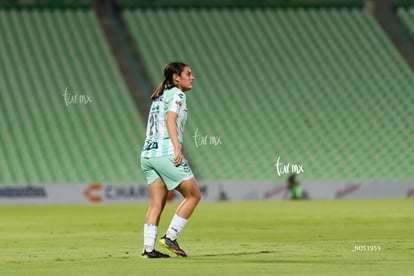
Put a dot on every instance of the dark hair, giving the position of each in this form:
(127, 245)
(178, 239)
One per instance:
(169, 70)
(292, 179)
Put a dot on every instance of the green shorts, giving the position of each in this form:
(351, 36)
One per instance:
(155, 167)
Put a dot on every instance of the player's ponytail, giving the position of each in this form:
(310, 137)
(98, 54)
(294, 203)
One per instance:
(169, 70)
(159, 91)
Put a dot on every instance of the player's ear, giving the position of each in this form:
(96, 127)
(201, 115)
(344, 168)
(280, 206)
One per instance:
(176, 78)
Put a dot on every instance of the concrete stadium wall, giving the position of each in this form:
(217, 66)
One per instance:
(104, 193)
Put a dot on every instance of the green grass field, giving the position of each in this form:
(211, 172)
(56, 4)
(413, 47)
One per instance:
(349, 237)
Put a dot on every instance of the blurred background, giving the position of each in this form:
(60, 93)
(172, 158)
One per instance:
(324, 89)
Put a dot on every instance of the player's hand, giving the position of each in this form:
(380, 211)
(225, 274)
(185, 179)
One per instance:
(178, 157)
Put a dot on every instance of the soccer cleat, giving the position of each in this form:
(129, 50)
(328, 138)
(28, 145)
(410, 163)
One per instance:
(153, 254)
(172, 246)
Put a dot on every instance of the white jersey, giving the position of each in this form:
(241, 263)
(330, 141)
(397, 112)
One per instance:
(157, 141)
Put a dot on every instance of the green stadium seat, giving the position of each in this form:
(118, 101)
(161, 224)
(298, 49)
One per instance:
(320, 86)
(44, 141)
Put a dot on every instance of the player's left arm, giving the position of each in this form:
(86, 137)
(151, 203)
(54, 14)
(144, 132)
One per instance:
(174, 109)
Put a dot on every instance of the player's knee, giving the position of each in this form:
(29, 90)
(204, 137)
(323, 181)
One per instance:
(198, 196)
(157, 205)
(190, 191)
(194, 199)
(195, 196)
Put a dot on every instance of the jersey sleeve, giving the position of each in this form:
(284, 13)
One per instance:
(177, 102)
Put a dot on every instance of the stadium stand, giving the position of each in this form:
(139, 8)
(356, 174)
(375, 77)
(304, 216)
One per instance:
(406, 15)
(46, 138)
(321, 87)
(314, 85)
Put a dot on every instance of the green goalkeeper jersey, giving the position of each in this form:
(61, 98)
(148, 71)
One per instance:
(157, 141)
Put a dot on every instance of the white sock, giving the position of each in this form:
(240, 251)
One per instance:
(150, 235)
(176, 226)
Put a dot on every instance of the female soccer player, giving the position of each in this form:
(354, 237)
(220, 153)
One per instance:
(162, 162)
